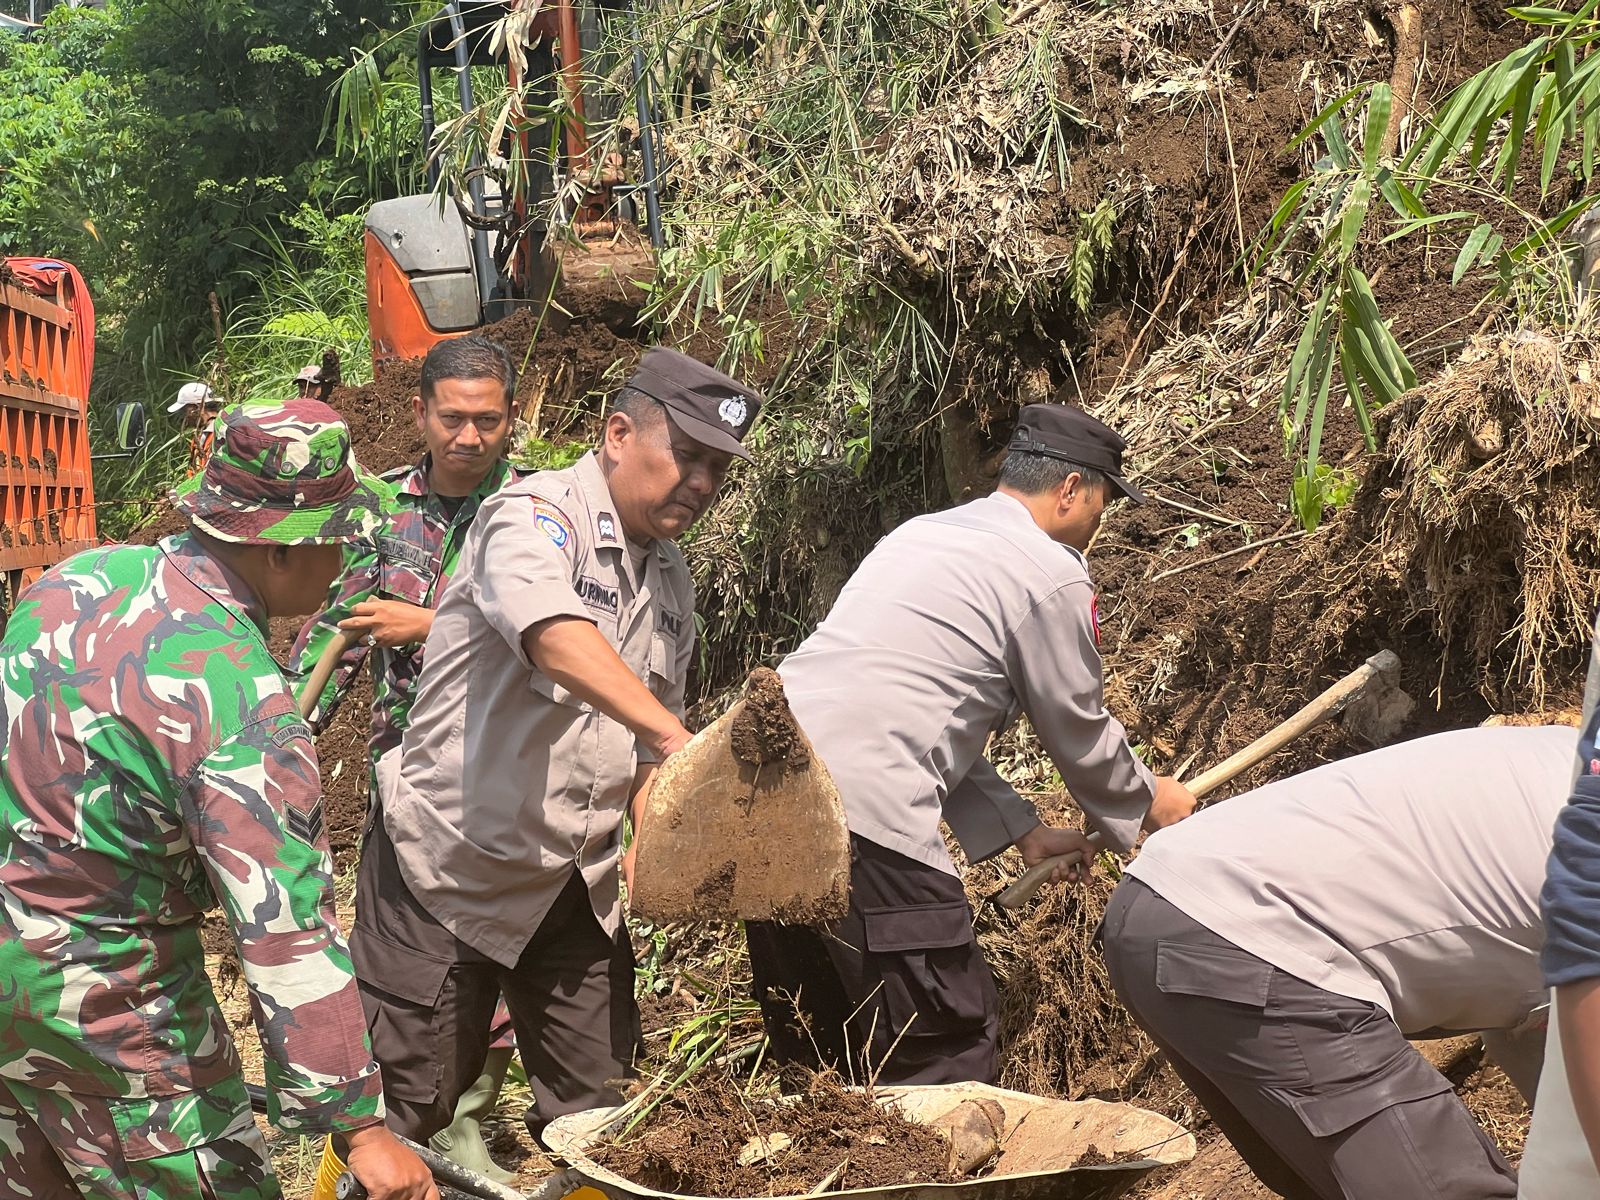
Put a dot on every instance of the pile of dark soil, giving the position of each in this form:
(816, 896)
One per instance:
(1470, 550)
(710, 1139)
(569, 356)
(164, 522)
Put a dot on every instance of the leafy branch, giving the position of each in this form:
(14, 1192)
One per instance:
(1541, 101)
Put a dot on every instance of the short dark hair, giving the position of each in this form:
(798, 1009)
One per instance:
(471, 357)
(1030, 473)
(639, 407)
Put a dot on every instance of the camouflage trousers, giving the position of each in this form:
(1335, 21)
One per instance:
(58, 1145)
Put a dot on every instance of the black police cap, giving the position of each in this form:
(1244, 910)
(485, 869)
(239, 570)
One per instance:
(1072, 435)
(714, 409)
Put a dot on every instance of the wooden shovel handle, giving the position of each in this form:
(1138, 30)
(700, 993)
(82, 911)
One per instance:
(323, 671)
(1384, 664)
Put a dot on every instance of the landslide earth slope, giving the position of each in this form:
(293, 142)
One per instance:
(1198, 662)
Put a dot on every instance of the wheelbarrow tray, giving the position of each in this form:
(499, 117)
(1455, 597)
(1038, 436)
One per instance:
(1048, 1136)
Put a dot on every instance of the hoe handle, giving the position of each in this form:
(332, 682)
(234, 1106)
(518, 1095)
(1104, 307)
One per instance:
(326, 664)
(1384, 665)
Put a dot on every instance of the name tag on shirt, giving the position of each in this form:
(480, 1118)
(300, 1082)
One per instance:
(597, 595)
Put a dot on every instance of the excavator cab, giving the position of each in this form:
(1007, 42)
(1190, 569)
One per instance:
(435, 271)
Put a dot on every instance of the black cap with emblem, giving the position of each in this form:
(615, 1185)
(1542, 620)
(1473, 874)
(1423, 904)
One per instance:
(714, 409)
(1072, 435)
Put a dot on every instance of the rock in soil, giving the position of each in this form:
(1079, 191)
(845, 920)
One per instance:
(692, 1143)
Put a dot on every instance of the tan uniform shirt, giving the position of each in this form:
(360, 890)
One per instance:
(951, 627)
(1408, 877)
(505, 780)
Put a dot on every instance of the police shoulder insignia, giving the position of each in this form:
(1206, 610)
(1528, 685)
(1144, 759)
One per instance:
(1094, 617)
(552, 522)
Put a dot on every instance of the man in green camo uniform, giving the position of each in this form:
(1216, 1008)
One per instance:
(392, 582)
(153, 764)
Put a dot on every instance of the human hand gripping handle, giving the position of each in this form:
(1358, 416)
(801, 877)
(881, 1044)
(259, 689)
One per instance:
(1379, 670)
(384, 1168)
(389, 623)
(1172, 802)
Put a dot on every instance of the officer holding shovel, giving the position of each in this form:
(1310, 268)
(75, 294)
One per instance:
(555, 683)
(1282, 946)
(951, 627)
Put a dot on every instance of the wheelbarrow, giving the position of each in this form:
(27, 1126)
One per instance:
(1039, 1148)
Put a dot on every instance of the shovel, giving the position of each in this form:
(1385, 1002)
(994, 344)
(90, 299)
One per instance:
(322, 671)
(744, 823)
(1371, 699)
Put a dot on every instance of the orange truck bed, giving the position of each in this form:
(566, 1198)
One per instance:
(46, 357)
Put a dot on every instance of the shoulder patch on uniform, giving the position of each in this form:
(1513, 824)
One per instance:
(552, 522)
(607, 526)
(1094, 616)
(308, 825)
(289, 733)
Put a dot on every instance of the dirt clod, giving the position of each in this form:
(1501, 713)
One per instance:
(692, 1143)
(765, 730)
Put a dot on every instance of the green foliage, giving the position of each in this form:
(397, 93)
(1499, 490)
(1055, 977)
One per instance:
(374, 117)
(309, 295)
(55, 99)
(1090, 249)
(537, 454)
(170, 150)
(1547, 91)
(1323, 488)
(1543, 97)
(162, 147)
(306, 295)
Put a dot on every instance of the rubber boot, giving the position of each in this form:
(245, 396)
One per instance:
(462, 1141)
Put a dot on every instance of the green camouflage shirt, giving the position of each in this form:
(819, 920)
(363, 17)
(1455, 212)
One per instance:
(411, 558)
(154, 764)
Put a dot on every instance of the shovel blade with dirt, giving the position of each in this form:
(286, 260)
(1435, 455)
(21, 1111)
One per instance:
(744, 823)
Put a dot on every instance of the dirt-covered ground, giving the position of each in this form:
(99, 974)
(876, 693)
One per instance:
(1204, 649)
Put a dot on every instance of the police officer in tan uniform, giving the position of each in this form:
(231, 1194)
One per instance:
(955, 624)
(554, 685)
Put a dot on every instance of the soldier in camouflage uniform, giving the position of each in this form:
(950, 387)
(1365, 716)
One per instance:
(153, 764)
(392, 580)
(391, 584)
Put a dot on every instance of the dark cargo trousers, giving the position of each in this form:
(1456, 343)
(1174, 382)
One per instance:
(898, 988)
(430, 1001)
(1321, 1094)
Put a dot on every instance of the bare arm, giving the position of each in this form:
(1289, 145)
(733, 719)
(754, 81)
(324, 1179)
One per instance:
(575, 655)
(1578, 1011)
(644, 778)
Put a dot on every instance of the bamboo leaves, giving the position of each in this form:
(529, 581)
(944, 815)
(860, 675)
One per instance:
(1090, 249)
(1472, 250)
(1345, 338)
(1536, 109)
(1344, 328)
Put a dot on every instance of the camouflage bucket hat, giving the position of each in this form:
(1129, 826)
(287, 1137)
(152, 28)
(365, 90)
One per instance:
(281, 473)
